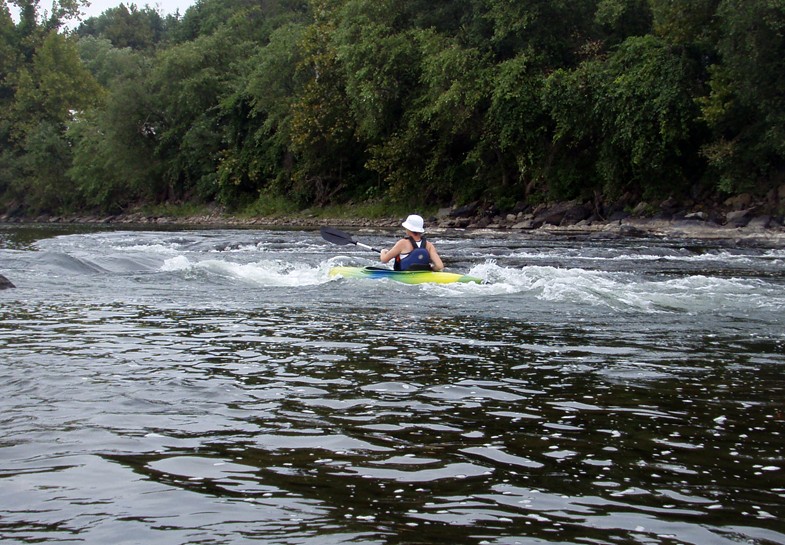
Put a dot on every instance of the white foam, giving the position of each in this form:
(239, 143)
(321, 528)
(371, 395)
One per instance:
(622, 290)
(263, 273)
(177, 263)
(150, 248)
(267, 273)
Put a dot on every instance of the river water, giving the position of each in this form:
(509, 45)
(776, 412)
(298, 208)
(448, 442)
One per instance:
(215, 386)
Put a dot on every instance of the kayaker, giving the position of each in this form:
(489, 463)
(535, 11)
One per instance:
(413, 252)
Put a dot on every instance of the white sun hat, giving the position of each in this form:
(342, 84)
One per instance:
(414, 224)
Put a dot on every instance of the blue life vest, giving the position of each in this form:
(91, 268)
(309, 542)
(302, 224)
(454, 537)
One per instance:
(417, 260)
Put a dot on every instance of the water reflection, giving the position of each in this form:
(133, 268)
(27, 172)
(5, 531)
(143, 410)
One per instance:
(324, 420)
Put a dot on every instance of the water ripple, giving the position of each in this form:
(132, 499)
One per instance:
(209, 404)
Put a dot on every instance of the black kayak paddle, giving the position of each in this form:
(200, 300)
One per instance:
(335, 236)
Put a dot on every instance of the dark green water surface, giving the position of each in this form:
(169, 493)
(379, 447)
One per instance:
(215, 386)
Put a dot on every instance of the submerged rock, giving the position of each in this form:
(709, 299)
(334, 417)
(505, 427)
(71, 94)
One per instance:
(5, 283)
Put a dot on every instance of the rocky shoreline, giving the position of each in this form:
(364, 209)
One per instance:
(739, 219)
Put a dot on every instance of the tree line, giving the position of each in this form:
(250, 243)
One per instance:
(274, 105)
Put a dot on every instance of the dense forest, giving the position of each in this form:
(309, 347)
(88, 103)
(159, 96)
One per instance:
(278, 105)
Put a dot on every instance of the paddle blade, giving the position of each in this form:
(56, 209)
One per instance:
(335, 236)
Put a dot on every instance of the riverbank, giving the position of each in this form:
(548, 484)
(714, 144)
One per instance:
(561, 219)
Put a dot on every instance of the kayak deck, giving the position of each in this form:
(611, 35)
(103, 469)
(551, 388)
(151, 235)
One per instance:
(407, 277)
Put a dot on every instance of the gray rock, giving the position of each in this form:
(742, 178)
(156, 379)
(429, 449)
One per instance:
(759, 222)
(5, 283)
(443, 213)
(738, 218)
(631, 231)
(739, 202)
(700, 216)
(465, 211)
(568, 212)
(618, 216)
(669, 205)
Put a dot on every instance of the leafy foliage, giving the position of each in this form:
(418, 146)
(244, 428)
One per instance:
(639, 115)
(297, 103)
(44, 96)
(746, 105)
(139, 29)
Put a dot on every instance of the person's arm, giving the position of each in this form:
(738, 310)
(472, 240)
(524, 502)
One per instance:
(436, 261)
(385, 256)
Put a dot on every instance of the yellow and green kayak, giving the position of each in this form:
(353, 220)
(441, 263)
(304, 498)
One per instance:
(407, 277)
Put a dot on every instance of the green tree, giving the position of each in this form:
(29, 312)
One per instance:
(35, 23)
(107, 63)
(688, 24)
(57, 83)
(203, 126)
(746, 106)
(322, 129)
(140, 29)
(440, 100)
(7, 46)
(8, 67)
(621, 19)
(257, 161)
(114, 161)
(381, 64)
(208, 16)
(189, 82)
(260, 159)
(632, 116)
(512, 156)
(552, 31)
(10, 58)
(49, 95)
(426, 157)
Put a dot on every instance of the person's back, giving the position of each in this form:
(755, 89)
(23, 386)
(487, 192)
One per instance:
(418, 259)
(413, 252)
